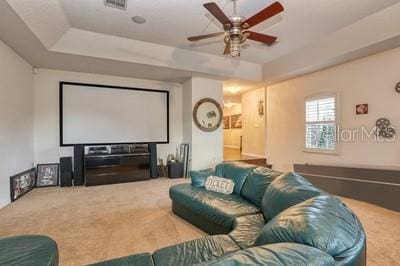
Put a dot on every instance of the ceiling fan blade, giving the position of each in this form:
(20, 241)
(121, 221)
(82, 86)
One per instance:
(264, 14)
(227, 48)
(217, 13)
(258, 37)
(202, 37)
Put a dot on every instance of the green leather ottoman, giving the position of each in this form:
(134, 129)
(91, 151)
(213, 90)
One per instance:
(28, 250)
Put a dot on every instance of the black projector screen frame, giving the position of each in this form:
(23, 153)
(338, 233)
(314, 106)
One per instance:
(111, 87)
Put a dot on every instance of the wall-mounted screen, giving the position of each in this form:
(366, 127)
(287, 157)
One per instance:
(99, 115)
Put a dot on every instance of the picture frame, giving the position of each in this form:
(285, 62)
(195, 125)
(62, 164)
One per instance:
(22, 183)
(236, 121)
(47, 175)
(362, 109)
(226, 122)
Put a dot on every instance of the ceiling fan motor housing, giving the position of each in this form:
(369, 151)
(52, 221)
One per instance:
(235, 36)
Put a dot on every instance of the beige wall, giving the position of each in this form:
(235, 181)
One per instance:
(206, 147)
(253, 130)
(16, 116)
(369, 80)
(232, 135)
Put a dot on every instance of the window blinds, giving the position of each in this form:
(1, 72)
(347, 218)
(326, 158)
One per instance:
(321, 123)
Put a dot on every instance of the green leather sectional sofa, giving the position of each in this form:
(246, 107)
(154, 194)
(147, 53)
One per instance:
(272, 218)
(28, 250)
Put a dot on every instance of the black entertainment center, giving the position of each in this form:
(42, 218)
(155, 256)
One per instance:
(117, 164)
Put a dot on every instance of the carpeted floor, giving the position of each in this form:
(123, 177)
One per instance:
(91, 224)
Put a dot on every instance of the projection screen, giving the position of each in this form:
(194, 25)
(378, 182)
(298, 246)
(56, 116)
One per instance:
(104, 115)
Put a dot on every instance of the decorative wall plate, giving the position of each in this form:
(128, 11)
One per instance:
(207, 114)
(384, 129)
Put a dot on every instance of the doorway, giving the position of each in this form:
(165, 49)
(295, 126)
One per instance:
(244, 124)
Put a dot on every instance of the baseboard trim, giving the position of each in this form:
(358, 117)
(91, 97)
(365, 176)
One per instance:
(253, 155)
(232, 147)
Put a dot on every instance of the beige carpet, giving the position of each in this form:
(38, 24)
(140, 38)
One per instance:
(98, 223)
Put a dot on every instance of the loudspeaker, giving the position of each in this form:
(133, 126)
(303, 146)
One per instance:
(79, 156)
(66, 171)
(153, 160)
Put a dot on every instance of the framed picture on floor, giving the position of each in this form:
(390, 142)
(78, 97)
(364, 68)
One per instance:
(236, 121)
(47, 175)
(22, 183)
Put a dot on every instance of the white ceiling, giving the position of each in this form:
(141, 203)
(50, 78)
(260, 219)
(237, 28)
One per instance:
(86, 36)
(171, 22)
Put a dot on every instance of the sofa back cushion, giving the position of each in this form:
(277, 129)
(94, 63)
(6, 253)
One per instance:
(257, 183)
(237, 171)
(323, 222)
(199, 177)
(276, 254)
(195, 251)
(286, 191)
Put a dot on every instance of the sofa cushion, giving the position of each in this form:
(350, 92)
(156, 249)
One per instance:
(237, 171)
(195, 251)
(199, 177)
(246, 229)
(323, 222)
(257, 183)
(277, 254)
(142, 259)
(220, 208)
(285, 191)
(28, 250)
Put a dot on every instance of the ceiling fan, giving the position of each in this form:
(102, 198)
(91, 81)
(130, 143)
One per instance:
(237, 27)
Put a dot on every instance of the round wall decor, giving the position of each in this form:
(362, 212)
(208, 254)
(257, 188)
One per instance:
(207, 114)
(384, 129)
(382, 123)
(398, 87)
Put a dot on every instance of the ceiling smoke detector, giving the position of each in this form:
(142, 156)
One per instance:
(120, 4)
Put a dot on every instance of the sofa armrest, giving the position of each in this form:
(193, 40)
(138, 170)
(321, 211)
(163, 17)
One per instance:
(199, 177)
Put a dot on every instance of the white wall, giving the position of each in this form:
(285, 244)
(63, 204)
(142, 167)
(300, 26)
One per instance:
(206, 147)
(187, 111)
(232, 135)
(16, 116)
(253, 127)
(46, 110)
(369, 80)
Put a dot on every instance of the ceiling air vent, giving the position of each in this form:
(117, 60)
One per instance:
(120, 4)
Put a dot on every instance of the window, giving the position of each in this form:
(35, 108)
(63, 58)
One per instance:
(321, 121)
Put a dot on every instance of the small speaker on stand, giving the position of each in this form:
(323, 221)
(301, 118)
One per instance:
(66, 173)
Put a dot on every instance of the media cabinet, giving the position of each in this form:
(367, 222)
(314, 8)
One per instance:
(121, 166)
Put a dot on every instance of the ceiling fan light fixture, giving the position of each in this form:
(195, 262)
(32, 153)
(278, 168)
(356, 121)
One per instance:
(236, 28)
(235, 46)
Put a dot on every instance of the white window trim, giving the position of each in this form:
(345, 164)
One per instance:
(318, 96)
